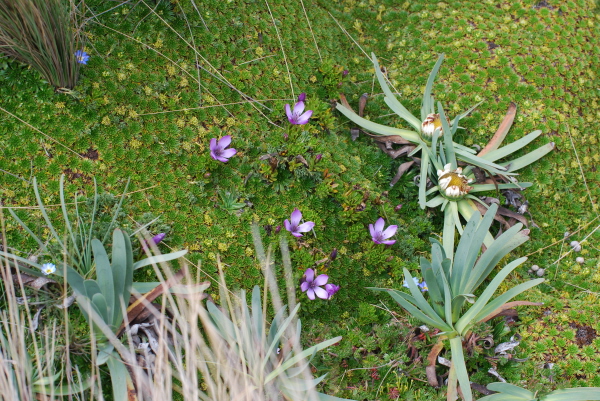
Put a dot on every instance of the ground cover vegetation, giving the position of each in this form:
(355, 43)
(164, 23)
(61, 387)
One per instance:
(164, 78)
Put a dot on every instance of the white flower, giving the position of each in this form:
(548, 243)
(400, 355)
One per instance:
(430, 124)
(48, 268)
(453, 183)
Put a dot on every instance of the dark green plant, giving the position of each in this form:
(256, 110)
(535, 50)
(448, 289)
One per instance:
(510, 392)
(44, 34)
(452, 283)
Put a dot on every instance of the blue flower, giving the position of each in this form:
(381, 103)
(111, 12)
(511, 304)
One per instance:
(82, 57)
(422, 285)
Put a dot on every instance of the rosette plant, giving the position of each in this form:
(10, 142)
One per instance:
(76, 241)
(452, 284)
(510, 392)
(277, 365)
(434, 129)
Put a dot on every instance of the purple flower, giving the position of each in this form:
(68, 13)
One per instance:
(310, 284)
(379, 235)
(296, 117)
(218, 151)
(293, 224)
(344, 73)
(302, 97)
(81, 57)
(331, 290)
(158, 237)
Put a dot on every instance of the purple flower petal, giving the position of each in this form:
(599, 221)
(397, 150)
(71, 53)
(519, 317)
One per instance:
(321, 293)
(289, 114)
(309, 274)
(304, 286)
(311, 293)
(296, 217)
(372, 230)
(388, 242)
(298, 109)
(306, 227)
(228, 152)
(225, 141)
(391, 230)
(213, 143)
(303, 119)
(321, 279)
(379, 224)
(296, 234)
(302, 97)
(287, 225)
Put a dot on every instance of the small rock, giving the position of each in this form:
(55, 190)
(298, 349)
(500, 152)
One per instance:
(541, 272)
(576, 246)
(580, 260)
(535, 268)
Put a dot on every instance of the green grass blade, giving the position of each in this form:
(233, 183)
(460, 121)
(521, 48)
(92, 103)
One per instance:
(257, 316)
(119, 268)
(505, 297)
(529, 158)
(427, 103)
(45, 215)
(423, 179)
(116, 213)
(391, 99)
(463, 115)
(492, 187)
(458, 360)
(299, 357)
(448, 144)
(510, 389)
(375, 128)
(448, 233)
(63, 207)
(574, 394)
(405, 301)
(469, 317)
(158, 259)
(511, 148)
(104, 276)
(435, 202)
(420, 301)
(463, 254)
(118, 377)
(429, 275)
(470, 158)
(35, 237)
(504, 244)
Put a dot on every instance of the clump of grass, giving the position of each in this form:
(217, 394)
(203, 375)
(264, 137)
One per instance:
(44, 34)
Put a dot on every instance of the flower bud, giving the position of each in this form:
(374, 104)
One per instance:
(318, 157)
(302, 97)
(277, 229)
(159, 237)
(344, 73)
(333, 254)
(431, 123)
(397, 208)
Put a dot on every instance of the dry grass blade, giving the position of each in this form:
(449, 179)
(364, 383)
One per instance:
(500, 134)
(43, 34)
